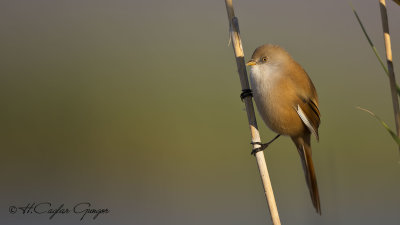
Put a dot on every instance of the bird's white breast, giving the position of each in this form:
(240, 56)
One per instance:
(263, 80)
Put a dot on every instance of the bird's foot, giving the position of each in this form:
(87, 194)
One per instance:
(262, 148)
(263, 145)
(246, 93)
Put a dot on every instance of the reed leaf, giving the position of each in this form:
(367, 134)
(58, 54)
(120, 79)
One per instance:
(391, 132)
(373, 48)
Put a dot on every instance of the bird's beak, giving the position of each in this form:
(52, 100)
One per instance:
(251, 63)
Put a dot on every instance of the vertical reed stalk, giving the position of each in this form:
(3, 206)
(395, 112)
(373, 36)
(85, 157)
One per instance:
(392, 79)
(255, 136)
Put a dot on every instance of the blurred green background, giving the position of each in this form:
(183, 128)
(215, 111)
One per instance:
(134, 106)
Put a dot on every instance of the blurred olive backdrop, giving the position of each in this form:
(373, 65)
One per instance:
(134, 106)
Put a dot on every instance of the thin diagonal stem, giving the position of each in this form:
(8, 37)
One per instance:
(255, 136)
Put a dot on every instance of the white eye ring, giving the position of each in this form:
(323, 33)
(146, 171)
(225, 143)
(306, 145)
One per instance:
(264, 59)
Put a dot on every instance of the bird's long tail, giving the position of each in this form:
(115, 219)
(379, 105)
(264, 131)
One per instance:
(304, 149)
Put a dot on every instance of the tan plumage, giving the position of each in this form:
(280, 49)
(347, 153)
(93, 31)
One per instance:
(288, 103)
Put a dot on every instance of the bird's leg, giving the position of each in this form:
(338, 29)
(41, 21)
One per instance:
(263, 145)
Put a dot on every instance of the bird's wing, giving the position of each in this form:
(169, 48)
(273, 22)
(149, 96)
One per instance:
(309, 113)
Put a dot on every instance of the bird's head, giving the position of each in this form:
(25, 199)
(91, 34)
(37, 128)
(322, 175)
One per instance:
(269, 55)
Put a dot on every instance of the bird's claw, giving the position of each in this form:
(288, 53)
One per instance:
(262, 145)
(262, 148)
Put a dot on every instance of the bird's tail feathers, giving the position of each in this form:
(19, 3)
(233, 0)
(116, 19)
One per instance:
(304, 149)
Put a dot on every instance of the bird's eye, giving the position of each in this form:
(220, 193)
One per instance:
(264, 59)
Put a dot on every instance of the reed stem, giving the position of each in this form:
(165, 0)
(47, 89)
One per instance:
(255, 136)
(392, 78)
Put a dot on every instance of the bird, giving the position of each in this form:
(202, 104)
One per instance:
(287, 101)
